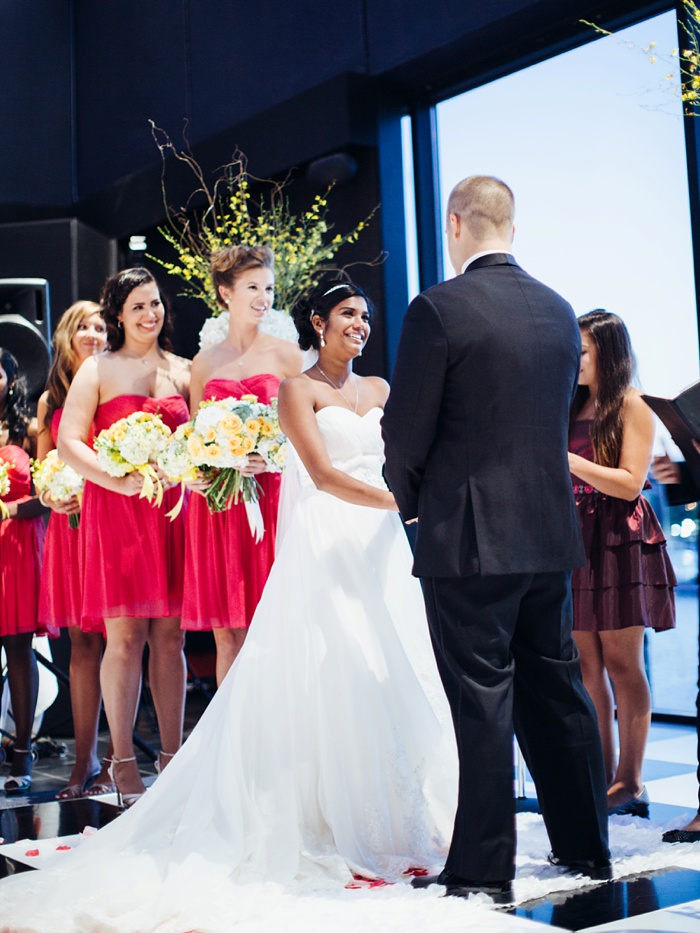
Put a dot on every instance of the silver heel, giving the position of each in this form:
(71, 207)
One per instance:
(124, 801)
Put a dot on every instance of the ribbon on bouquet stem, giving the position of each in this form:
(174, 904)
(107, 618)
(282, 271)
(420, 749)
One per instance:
(255, 519)
(152, 488)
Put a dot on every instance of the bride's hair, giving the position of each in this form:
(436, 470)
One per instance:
(321, 300)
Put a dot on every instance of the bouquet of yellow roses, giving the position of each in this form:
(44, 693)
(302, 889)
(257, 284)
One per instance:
(51, 475)
(134, 443)
(217, 442)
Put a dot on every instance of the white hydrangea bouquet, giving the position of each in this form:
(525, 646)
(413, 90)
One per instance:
(58, 480)
(134, 444)
(217, 443)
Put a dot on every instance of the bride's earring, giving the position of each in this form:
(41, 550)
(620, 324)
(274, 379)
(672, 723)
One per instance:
(322, 339)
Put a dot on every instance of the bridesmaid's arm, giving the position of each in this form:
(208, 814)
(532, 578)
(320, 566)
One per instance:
(78, 415)
(298, 421)
(625, 481)
(44, 441)
(45, 445)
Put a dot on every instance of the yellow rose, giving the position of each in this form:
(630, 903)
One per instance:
(252, 426)
(209, 435)
(248, 444)
(213, 452)
(195, 448)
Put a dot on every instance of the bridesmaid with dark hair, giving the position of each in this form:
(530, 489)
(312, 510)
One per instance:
(226, 569)
(80, 334)
(627, 583)
(21, 543)
(133, 553)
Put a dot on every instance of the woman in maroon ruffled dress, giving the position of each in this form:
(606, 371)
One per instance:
(80, 334)
(21, 543)
(627, 583)
(133, 554)
(225, 568)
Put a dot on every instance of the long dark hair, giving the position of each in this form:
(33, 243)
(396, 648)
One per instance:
(115, 291)
(16, 413)
(616, 368)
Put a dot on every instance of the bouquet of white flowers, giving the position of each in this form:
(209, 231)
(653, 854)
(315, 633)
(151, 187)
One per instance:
(134, 444)
(57, 479)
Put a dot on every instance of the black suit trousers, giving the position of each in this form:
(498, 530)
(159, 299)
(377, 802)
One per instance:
(508, 662)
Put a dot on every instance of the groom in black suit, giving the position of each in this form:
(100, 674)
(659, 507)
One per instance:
(476, 452)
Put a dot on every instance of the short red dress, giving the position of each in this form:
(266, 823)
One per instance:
(21, 545)
(225, 568)
(132, 555)
(628, 578)
(61, 591)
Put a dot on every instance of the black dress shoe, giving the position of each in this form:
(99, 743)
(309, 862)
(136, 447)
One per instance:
(637, 806)
(597, 869)
(681, 835)
(501, 892)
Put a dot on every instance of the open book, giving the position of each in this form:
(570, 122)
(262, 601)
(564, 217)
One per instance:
(681, 415)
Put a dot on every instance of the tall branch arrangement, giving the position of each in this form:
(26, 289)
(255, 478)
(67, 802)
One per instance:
(303, 247)
(689, 58)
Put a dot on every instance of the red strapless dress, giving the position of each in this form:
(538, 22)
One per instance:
(628, 578)
(61, 591)
(132, 554)
(225, 569)
(21, 544)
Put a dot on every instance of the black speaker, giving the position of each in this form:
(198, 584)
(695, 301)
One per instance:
(25, 329)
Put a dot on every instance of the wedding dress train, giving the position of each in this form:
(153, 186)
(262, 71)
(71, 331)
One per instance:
(328, 750)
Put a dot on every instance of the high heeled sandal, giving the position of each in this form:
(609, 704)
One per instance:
(96, 788)
(124, 801)
(161, 754)
(17, 784)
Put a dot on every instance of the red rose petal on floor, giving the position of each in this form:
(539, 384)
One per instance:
(63, 848)
(30, 853)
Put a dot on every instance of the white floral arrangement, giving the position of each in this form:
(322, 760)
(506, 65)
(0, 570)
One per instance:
(133, 444)
(276, 323)
(60, 481)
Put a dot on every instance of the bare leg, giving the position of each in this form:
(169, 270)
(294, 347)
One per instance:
(229, 642)
(167, 676)
(597, 683)
(120, 676)
(623, 653)
(85, 698)
(23, 680)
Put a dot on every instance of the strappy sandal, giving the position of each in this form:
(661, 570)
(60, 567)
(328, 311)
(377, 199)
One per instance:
(17, 784)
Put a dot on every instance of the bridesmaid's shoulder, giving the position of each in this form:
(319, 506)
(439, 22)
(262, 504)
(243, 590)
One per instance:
(288, 353)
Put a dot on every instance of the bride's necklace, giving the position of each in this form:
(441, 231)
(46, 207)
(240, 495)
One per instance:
(338, 389)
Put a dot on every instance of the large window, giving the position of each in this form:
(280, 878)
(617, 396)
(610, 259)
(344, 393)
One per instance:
(592, 144)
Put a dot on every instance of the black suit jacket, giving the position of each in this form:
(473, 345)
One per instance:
(476, 425)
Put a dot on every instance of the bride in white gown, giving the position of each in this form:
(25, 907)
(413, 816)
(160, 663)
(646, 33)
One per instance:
(328, 750)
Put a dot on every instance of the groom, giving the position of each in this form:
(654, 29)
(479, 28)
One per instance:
(476, 452)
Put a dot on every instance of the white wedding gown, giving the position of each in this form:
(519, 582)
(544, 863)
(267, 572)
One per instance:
(327, 750)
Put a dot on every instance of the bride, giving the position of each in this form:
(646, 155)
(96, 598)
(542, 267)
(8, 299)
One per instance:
(328, 750)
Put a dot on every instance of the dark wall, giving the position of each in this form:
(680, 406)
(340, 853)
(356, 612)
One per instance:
(36, 101)
(79, 80)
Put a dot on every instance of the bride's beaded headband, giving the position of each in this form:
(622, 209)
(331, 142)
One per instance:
(331, 289)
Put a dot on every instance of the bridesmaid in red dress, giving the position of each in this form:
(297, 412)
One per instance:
(133, 554)
(80, 334)
(225, 568)
(21, 542)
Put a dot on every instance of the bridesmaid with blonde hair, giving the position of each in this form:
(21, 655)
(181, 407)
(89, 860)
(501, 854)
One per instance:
(80, 334)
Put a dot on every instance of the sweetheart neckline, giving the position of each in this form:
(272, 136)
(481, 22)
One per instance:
(349, 411)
